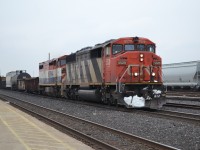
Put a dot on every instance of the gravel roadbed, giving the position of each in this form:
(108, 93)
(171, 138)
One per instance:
(178, 134)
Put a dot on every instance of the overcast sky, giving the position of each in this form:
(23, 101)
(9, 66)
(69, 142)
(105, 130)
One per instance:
(30, 29)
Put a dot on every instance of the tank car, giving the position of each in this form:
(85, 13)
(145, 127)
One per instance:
(17, 78)
(9, 75)
(13, 77)
(124, 71)
(52, 76)
(182, 75)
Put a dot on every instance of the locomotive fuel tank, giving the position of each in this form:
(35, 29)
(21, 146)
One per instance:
(89, 95)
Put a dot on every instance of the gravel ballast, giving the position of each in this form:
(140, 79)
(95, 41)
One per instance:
(178, 134)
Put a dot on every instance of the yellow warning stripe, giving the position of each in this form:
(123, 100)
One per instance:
(16, 135)
(59, 141)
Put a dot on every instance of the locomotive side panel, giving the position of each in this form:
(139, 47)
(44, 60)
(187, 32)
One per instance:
(82, 64)
(96, 70)
(89, 67)
(43, 73)
(52, 72)
(71, 75)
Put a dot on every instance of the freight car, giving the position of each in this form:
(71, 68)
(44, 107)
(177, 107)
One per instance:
(182, 75)
(30, 85)
(13, 77)
(123, 71)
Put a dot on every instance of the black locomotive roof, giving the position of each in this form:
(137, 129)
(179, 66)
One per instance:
(103, 44)
(84, 50)
(89, 48)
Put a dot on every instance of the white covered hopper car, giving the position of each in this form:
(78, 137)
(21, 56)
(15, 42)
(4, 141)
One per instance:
(182, 75)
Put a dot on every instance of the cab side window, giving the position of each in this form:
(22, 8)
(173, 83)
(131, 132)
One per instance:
(116, 48)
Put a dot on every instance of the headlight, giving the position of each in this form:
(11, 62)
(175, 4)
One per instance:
(141, 55)
(136, 74)
(153, 74)
(141, 59)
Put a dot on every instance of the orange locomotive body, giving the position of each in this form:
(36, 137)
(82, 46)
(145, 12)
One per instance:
(124, 71)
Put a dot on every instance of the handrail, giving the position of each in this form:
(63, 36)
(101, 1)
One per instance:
(119, 88)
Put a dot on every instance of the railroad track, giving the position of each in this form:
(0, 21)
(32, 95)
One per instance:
(87, 131)
(184, 94)
(186, 117)
(187, 106)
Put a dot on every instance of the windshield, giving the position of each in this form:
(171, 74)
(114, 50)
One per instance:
(129, 47)
(140, 47)
(117, 48)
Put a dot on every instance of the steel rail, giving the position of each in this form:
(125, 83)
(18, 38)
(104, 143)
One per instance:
(189, 117)
(182, 106)
(184, 98)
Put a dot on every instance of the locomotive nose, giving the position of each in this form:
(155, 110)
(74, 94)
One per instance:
(142, 68)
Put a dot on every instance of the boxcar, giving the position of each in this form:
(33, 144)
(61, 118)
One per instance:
(31, 84)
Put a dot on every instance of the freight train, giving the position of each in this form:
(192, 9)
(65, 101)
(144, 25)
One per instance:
(124, 71)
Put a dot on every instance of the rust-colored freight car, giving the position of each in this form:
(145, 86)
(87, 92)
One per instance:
(29, 85)
(32, 84)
